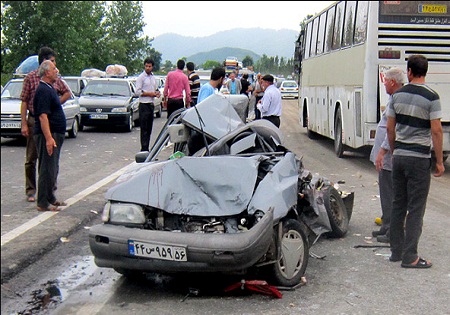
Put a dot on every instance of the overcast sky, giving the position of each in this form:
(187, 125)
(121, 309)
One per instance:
(198, 19)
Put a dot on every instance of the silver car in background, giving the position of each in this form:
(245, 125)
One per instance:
(11, 123)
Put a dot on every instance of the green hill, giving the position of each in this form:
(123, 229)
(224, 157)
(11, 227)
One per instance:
(220, 54)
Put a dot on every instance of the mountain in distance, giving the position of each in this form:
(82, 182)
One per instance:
(220, 54)
(271, 42)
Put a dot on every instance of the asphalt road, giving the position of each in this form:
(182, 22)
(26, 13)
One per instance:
(347, 280)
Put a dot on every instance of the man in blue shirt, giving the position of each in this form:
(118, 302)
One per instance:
(207, 89)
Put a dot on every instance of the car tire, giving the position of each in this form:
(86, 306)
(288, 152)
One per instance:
(338, 145)
(158, 114)
(292, 252)
(73, 132)
(129, 127)
(337, 212)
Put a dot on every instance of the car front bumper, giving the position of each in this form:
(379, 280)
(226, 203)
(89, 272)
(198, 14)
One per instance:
(211, 252)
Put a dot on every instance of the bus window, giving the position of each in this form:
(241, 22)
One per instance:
(338, 26)
(321, 34)
(361, 22)
(347, 39)
(314, 37)
(308, 40)
(329, 30)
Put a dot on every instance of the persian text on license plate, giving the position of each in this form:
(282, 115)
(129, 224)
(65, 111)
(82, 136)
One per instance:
(99, 116)
(157, 251)
(11, 124)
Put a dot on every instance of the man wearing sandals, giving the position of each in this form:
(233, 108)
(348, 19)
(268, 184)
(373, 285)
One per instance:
(49, 133)
(414, 123)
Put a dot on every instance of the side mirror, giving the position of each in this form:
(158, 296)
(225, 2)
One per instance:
(140, 157)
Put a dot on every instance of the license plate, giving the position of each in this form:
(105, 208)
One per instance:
(98, 116)
(157, 251)
(11, 124)
(433, 8)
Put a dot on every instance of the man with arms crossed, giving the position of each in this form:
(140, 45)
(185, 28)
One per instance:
(414, 121)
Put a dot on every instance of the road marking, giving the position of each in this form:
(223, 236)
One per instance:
(47, 215)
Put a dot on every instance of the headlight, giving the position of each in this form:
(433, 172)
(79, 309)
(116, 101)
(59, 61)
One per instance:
(119, 110)
(123, 213)
(83, 109)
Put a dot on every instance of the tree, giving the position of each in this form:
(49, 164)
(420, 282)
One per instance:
(210, 64)
(247, 61)
(75, 30)
(84, 34)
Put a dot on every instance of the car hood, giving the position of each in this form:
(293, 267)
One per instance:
(210, 186)
(110, 101)
(219, 114)
(11, 106)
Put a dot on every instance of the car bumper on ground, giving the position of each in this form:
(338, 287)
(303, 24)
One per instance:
(112, 247)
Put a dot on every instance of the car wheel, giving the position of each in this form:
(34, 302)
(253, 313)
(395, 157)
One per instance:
(338, 146)
(130, 125)
(292, 254)
(337, 212)
(80, 127)
(73, 133)
(158, 114)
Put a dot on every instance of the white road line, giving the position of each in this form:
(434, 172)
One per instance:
(47, 215)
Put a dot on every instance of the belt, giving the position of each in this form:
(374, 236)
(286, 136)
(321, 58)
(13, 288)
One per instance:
(270, 116)
(151, 103)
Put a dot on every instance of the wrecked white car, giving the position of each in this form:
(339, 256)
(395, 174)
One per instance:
(216, 194)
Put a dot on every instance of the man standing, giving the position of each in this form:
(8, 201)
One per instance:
(233, 85)
(381, 157)
(270, 104)
(176, 83)
(258, 92)
(414, 121)
(30, 84)
(216, 79)
(147, 89)
(49, 133)
(194, 82)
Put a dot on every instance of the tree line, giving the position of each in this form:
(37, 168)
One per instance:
(85, 34)
(91, 34)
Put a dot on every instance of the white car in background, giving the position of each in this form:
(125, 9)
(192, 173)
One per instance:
(11, 123)
(289, 88)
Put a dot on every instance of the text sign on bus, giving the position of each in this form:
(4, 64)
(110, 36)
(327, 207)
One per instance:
(414, 12)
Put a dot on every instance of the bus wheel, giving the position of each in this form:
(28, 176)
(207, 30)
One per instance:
(338, 146)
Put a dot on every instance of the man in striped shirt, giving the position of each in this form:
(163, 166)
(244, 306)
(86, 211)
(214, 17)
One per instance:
(194, 82)
(414, 123)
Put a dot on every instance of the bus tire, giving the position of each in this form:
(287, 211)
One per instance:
(338, 146)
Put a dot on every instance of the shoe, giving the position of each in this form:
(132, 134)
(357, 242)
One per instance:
(58, 203)
(378, 233)
(420, 264)
(378, 221)
(383, 239)
(49, 208)
(31, 198)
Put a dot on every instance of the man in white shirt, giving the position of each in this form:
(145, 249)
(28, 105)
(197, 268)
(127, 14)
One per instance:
(270, 104)
(147, 89)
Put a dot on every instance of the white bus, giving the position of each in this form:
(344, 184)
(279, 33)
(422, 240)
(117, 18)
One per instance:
(343, 51)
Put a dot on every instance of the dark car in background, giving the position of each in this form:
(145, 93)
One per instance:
(109, 101)
(11, 123)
